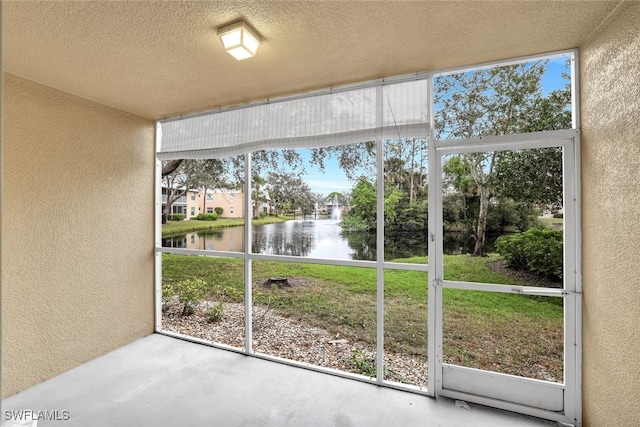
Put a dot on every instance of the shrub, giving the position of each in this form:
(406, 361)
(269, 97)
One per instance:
(558, 215)
(411, 218)
(262, 215)
(218, 210)
(177, 217)
(510, 215)
(511, 247)
(190, 292)
(207, 217)
(537, 250)
(167, 294)
(364, 365)
(215, 313)
(352, 223)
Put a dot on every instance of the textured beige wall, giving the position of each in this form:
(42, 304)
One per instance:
(610, 78)
(77, 232)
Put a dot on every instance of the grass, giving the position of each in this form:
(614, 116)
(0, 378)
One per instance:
(175, 228)
(507, 333)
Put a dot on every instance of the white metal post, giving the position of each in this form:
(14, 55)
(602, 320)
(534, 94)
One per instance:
(435, 281)
(379, 245)
(158, 233)
(572, 279)
(379, 264)
(432, 319)
(248, 297)
(577, 155)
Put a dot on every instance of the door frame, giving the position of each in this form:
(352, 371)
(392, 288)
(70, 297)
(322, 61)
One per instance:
(559, 402)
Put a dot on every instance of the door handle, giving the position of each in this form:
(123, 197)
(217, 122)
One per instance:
(541, 292)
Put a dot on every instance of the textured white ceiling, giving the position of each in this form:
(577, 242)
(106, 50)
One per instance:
(162, 58)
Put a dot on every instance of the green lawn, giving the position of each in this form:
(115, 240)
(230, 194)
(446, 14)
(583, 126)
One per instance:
(504, 332)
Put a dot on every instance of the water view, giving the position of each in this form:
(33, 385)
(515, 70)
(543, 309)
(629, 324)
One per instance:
(321, 238)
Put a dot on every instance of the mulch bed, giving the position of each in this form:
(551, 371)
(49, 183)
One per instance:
(525, 276)
(295, 340)
(288, 338)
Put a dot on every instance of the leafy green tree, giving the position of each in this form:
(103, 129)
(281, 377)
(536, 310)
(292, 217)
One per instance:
(391, 207)
(354, 159)
(185, 177)
(411, 218)
(363, 203)
(531, 176)
(288, 190)
(258, 193)
(498, 101)
(174, 188)
(461, 190)
(207, 174)
(406, 166)
(535, 176)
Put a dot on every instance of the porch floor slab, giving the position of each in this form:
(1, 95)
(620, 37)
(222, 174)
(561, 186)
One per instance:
(164, 381)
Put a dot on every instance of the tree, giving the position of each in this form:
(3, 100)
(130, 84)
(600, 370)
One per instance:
(170, 166)
(457, 171)
(258, 193)
(193, 174)
(531, 176)
(363, 203)
(536, 175)
(354, 159)
(406, 166)
(395, 173)
(305, 201)
(496, 101)
(287, 190)
(205, 175)
(177, 184)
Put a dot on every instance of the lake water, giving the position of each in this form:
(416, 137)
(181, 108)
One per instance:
(322, 238)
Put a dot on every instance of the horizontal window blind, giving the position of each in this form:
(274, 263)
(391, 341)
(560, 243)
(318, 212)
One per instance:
(396, 110)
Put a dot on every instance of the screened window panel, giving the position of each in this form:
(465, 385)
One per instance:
(398, 110)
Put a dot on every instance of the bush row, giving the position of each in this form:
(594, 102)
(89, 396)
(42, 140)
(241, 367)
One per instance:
(177, 217)
(207, 217)
(537, 250)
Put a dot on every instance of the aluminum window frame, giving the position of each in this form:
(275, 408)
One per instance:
(572, 367)
(569, 390)
(572, 290)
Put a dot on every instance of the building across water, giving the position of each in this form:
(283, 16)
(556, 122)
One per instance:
(191, 203)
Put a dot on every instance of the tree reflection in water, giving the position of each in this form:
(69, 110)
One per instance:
(320, 239)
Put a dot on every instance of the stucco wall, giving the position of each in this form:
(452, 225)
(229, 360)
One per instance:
(77, 231)
(610, 78)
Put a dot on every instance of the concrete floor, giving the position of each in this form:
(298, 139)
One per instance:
(163, 381)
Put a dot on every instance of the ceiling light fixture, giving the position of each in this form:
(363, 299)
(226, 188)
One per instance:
(239, 40)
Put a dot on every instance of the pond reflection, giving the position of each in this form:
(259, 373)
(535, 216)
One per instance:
(322, 238)
(223, 239)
